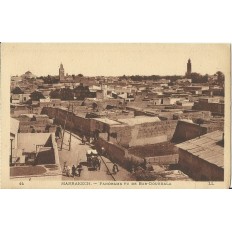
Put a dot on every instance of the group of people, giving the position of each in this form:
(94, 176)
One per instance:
(93, 161)
(76, 170)
(85, 139)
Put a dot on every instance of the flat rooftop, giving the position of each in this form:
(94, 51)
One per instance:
(206, 147)
(107, 121)
(14, 126)
(139, 120)
(28, 141)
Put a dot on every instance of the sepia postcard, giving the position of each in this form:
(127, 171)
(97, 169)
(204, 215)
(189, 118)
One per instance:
(78, 115)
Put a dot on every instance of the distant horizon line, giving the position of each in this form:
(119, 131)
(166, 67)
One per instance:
(126, 75)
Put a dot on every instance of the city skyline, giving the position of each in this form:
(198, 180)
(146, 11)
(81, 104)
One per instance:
(110, 59)
(75, 128)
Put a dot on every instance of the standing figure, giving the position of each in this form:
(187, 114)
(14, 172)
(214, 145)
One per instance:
(79, 169)
(73, 171)
(103, 151)
(115, 168)
(99, 164)
(68, 171)
(83, 139)
(65, 168)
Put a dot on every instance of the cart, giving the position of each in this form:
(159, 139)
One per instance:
(92, 159)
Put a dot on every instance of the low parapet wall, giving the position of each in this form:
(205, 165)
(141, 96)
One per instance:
(163, 160)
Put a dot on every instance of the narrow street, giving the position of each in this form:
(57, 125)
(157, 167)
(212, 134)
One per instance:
(78, 154)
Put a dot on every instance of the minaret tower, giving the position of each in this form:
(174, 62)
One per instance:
(61, 72)
(189, 67)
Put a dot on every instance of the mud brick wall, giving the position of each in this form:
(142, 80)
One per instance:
(55, 149)
(193, 115)
(151, 133)
(48, 155)
(214, 126)
(49, 104)
(186, 131)
(114, 151)
(73, 103)
(147, 133)
(120, 115)
(103, 104)
(199, 169)
(32, 129)
(136, 104)
(23, 119)
(42, 119)
(16, 113)
(148, 130)
(100, 126)
(51, 112)
(73, 122)
(117, 153)
(124, 135)
(45, 156)
(164, 160)
(141, 113)
(212, 107)
(127, 136)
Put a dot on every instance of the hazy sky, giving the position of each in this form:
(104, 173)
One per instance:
(114, 59)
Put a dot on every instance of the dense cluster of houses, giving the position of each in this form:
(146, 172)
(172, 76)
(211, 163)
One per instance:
(125, 112)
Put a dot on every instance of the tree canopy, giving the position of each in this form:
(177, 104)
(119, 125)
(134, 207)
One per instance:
(36, 96)
(63, 94)
(220, 76)
(17, 90)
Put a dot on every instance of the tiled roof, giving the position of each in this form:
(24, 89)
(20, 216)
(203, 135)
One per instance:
(206, 147)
